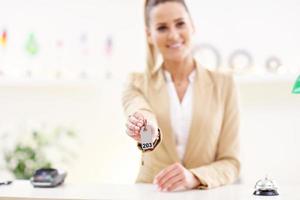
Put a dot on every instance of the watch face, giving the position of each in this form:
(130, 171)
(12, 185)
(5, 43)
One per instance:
(146, 137)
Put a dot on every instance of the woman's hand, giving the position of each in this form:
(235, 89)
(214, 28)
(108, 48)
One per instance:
(176, 177)
(134, 124)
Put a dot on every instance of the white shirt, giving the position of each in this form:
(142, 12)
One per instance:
(181, 113)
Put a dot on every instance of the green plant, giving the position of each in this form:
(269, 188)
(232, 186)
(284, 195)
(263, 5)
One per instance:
(32, 151)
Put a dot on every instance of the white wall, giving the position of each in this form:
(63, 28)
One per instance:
(264, 28)
(270, 113)
(270, 131)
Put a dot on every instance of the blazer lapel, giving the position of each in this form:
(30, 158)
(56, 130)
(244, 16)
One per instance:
(203, 89)
(162, 104)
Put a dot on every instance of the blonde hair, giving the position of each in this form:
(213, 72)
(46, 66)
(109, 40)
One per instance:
(152, 54)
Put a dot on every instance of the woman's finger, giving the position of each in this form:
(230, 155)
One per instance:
(170, 178)
(175, 185)
(134, 124)
(134, 135)
(131, 132)
(137, 138)
(161, 175)
(135, 121)
(139, 116)
(133, 127)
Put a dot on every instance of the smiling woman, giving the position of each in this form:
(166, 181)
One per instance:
(192, 112)
(169, 32)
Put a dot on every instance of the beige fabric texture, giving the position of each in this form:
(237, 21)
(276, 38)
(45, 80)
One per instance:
(212, 152)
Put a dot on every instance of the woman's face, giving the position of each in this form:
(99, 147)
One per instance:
(170, 31)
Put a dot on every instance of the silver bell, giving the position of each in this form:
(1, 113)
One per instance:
(265, 187)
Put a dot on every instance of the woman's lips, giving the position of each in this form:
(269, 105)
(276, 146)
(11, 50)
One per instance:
(175, 45)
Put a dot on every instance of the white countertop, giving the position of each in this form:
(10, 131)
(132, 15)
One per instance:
(20, 190)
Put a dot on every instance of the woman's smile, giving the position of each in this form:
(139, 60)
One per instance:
(175, 46)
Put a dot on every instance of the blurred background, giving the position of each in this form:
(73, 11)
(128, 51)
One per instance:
(63, 64)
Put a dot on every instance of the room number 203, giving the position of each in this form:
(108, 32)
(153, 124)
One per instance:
(146, 145)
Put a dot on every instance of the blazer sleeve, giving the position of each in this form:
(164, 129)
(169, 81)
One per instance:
(226, 168)
(134, 100)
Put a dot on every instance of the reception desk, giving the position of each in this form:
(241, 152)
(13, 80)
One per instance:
(23, 190)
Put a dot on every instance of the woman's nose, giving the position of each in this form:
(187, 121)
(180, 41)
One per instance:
(173, 35)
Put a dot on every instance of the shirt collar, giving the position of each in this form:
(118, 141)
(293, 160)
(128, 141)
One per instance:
(168, 76)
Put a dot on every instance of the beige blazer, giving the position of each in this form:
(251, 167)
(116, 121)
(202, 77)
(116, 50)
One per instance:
(213, 145)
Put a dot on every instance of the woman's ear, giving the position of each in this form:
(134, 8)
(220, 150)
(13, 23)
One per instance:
(190, 22)
(193, 26)
(149, 36)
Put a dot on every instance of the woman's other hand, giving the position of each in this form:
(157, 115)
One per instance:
(176, 177)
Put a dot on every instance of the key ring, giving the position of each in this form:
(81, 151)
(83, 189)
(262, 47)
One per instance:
(145, 124)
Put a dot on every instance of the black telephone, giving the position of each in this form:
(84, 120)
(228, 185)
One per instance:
(48, 177)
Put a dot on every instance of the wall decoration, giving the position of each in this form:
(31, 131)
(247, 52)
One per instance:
(240, 61)
(273, 64)
(3, 39)
(84, 44)
(3, 42)
(296, 89)
(207, 55)
(31, 46)
(85, 51)
(59, 47)
(31, 49)
(108, 52)
(108, 46)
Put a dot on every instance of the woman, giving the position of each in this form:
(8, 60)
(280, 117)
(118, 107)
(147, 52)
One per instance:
(193, 112)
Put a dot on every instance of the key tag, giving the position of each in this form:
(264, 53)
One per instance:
(146, 137)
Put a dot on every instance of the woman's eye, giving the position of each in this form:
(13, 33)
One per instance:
(161, 28)
(180, 24)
